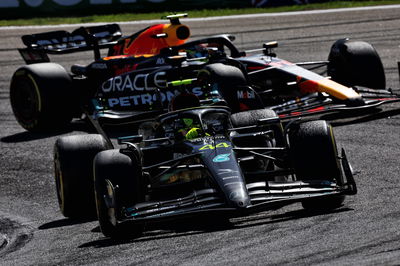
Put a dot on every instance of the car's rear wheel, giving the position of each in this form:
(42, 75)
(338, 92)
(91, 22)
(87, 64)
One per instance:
(41, 97)
(117, 176)
(313, 154)
(73, 167)
(224, 79)
(356, 63)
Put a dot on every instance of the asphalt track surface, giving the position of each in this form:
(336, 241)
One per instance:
(366, 231)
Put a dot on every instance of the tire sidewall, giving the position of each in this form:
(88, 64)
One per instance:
(52, 91)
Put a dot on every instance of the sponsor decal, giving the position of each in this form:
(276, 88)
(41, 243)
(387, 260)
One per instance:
(206, 137)
(230, 177)
(99, 66)
(221, 158)
(241, 94)
(147, 98)
(160, 61)
(137, 82)
(125, 69)
(232, 183)
(280, 64)
(64, 42)
(226, 171)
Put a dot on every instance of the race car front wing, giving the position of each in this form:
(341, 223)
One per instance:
(266, 195)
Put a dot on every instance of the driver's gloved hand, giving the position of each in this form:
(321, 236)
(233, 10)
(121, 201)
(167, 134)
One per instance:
(192, 133)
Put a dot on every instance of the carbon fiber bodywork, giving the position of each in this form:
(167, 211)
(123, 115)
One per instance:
(226, 186)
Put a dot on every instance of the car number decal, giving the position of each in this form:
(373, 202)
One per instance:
(211, 147)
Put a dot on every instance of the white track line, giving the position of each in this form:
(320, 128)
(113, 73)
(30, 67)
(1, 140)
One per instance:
(260, 15)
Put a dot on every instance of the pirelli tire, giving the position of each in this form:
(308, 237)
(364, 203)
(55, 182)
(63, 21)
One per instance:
(314, 156)
(73, 169)
(250, 118)
(118, 174)
(41, 97)
(224, 78)
(356, 63)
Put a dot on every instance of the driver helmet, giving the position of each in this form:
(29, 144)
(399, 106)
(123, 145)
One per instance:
(183, 101)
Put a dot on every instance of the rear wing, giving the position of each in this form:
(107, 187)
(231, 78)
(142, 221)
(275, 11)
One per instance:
(63, 42)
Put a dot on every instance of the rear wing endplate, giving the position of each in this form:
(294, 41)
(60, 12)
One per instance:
(63, 42)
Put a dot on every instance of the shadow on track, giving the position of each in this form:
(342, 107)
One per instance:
(63, 223)
(165, 230)
(78, 125)
(344, 118)
(287, 216)
(188, 227)
(31, 136)
(348, 120)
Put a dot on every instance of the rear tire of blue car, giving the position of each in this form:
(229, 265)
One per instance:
(124, 173)
(356, 63)
(314, 156)
(73, 167)
(42, 97)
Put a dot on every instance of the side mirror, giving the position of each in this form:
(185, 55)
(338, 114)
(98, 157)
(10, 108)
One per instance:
(268, 48)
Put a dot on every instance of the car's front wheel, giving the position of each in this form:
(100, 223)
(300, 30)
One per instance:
(117, 179)
(313, 154)
(356, 63)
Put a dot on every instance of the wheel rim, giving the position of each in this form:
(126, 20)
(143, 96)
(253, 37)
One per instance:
(25, 100)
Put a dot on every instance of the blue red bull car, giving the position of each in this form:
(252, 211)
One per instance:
(142, 74)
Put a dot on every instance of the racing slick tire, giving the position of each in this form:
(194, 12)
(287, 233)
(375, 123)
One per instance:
(225, 78)
(73, 167)
(356, 63)
(314, 156)
(250, 118)
(124, 173)
(41, 97)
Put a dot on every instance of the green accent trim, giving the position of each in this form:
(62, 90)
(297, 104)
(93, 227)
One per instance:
(176, 83)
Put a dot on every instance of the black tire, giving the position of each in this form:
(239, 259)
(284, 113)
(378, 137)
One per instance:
(73, 167)
(313, 153)
(250, 118)
(124, 173)
(356, 63)
(41, 97)
(226, 78)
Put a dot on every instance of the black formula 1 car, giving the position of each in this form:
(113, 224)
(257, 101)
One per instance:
(235, 165)
(142, 74)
